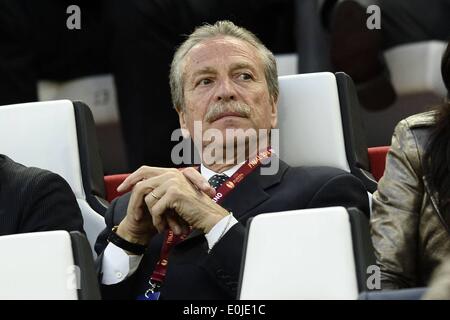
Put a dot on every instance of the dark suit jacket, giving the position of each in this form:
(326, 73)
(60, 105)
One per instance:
(193, 273)
(33, 199)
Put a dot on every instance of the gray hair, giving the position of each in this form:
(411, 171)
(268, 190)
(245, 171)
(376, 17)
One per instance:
(207, 31)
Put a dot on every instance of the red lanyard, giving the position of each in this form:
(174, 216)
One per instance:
(171, 239)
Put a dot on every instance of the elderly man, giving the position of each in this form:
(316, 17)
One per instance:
(167, 238)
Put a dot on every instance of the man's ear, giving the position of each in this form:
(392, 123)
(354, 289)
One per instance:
(274, 112)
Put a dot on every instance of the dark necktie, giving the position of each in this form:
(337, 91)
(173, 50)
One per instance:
(217, 180)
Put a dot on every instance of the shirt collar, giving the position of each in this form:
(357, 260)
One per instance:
(208, 173)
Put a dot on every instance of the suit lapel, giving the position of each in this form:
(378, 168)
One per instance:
(249, 193)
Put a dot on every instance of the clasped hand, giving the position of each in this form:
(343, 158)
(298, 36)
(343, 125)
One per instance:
(163, 198)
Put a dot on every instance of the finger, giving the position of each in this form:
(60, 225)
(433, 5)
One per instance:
(140, 174)
(198, 181)
(158, 211)
(152, 197)
(132, 179)
(159, 217)
(155, 196)
(165, 179)
(173, 222)
(159, 221)
(135, 205)
(159, 186)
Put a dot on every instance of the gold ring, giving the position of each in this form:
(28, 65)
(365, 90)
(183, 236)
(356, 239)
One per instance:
(155, 196)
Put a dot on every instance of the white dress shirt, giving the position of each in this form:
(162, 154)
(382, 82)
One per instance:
(118, 265)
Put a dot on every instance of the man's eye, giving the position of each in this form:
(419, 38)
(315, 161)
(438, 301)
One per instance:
(204, 82)
(245, 76)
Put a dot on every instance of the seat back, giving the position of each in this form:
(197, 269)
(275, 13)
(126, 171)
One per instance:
(318, 122)
(49, 135)
(310, 254)
(43, 135)
(90, 160)
(309, 119)
(42, 266)
(354, 131)
(415, 67)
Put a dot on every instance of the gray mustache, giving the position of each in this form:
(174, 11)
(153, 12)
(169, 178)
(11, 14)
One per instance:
(218, 108)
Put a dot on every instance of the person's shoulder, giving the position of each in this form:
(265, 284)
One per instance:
(317, 174)
(315, 171)
(21, 177)
(328, 186)
(412, 134)
(420, 120)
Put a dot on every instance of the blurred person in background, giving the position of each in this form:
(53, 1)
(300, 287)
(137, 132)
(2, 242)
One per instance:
(33, 199)
(410, 221)
(358, 50)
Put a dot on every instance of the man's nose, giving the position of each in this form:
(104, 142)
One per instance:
(225, 91)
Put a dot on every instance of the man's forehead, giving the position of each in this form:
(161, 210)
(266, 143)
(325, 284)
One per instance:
(221, 47)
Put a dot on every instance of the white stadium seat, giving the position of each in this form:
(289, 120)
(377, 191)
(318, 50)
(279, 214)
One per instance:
(318, 118)
(309, 115)
(309, 255)
(53, 265)
(46, 135)
(415, 67)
